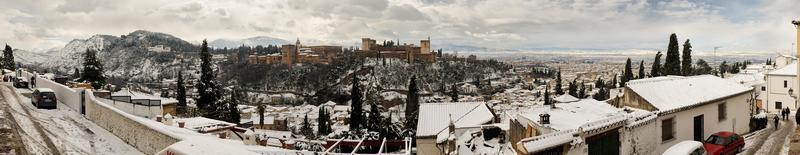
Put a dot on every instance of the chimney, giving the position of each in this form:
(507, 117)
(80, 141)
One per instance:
(159, 119)
(223, 135)
(544, 118)
(181, 124)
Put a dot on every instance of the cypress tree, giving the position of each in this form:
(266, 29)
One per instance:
(672, 64)
(355, 106)
(628, 74)
(686, 62)
(454, 93)
(559, 90)
(323, 126)
(181, 95)
(614, 82)
(374, 117)
(582, 92)
(8, 58)
(76, 74)
(305, 128)
(641, 70)
(207, 89)
(723, 68)
(92, 70)
(412, 105)
(655, 70)
(233, 115)
(547, 100)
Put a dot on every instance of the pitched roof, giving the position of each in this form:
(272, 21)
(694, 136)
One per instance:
(674, 93)
(434, 117)
(747, 79)
(572, 115)
(790, 69)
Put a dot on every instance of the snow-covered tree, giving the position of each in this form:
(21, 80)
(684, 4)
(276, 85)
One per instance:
(412, 105)
(180, 94)
(92, 70)
(356, 114)
(260, 109)
(374, 117)
(207, 89)
(8, 58)
(454, 93)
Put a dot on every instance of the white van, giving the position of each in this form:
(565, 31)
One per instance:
(686, 148)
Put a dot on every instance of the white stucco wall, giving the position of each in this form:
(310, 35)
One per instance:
(777, 93)
(127, 127)
(639, 139)
(737, 121)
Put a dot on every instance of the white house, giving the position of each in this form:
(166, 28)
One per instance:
(757, 81)
(690, 108)
(434, 120)
(783, 60)
(578, 127)
(779, 82)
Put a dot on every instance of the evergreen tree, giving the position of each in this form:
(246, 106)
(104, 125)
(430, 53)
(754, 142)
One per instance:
(356, 113)
(412, 105)
(599, 83)
(600, 95)
(723, 68)
(374, 117)
(454, 93)
(181, 95)
(572, 88)
(686, 62)
(672, 65)
(208, 91)
(8, 58)
(614, 82)
(547, 100)
(261, 109)
(92, 70)
(582, 92)
(628, 74)
(559, 90)
(655, 70)
(323, 126)
(233, 115)
(641, 70)
(305, 128)
(76, 74)
(702, 67)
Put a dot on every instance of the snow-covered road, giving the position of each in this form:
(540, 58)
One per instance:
(59, 131)
(769, 140)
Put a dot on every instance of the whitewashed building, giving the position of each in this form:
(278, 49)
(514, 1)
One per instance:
(580, 127)
(783, 60)
(779, 82)
(434, 119)
(690, 108)
(756, 80)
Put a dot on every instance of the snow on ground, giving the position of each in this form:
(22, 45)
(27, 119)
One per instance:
(69, 131)
(769, 140)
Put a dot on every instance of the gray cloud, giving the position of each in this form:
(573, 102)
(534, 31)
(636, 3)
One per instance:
(521, 24)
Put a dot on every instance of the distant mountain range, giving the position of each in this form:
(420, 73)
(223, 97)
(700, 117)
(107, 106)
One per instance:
(252, 42)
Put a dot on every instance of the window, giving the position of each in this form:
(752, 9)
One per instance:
(667, 129)
(785, 84)
(778, 105)
(763, 88)
(722, 111)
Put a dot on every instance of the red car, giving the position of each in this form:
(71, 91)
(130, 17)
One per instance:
(724, 143)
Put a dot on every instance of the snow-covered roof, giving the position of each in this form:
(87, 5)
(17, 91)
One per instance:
(268, 119)
(434, 117)
(566, 98)
(538, 143)
(790, 69)
(748, 79)
(674, 93)
(566, 116)
(141, 95)
(202, 124)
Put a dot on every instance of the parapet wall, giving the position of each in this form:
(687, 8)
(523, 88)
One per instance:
(141, 133)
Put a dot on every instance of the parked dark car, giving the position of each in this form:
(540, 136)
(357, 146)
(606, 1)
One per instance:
(20, 82)
(724, 143)
(44, 98)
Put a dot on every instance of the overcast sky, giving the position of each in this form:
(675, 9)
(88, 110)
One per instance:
(740, 25)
